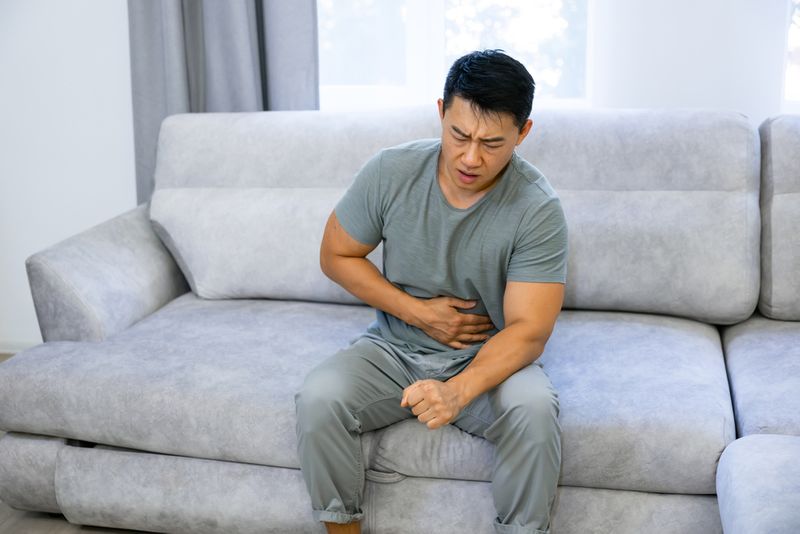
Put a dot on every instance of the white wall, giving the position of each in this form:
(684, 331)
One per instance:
(66, 136)
(689, 53)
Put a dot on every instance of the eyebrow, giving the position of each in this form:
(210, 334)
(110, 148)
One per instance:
(485, 140)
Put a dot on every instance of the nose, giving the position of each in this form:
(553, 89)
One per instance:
(472, 155)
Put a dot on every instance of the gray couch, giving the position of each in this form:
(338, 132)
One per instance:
(176, 335)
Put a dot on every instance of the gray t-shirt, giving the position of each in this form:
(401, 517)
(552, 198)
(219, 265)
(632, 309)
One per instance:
(516, 231)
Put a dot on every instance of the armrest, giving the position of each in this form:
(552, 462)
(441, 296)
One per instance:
(103, 280)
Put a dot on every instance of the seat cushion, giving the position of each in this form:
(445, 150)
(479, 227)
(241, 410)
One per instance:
(644, 399)
(644, 406)
(758, 485)
(763, 360)
(205, 378)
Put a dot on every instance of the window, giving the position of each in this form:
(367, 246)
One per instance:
(387, 53)
(791, 89)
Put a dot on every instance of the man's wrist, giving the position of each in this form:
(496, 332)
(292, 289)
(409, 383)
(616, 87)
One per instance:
(460, 383)
(411, 310)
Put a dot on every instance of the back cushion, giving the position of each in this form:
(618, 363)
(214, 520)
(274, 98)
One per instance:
(780, 212)
(241, 199)
(662, 206)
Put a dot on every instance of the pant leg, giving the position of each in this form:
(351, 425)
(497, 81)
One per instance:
(356, 390)
(520, 416)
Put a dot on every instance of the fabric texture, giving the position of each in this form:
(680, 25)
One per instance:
(27, 469)
(668, 198)
(216, 379)
(614, 373)
(201, 378)
(763, 361)
(99, 282)
(758, 485)
(249, 242)
(674, 205)
(207, 56)
(359, 389)
(780, 199)
(199, 496)
(645, 403)
(515, 232)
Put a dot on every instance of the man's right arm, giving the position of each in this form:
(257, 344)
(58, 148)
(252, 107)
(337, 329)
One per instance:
(343, 260)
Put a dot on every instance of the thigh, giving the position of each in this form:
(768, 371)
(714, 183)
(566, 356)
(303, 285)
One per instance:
(528, 387)
(366, 380)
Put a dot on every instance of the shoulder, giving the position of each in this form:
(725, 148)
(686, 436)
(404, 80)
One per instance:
(405, 164)
(410, 152)
(403, 158)
(532, 183)
(537, 202)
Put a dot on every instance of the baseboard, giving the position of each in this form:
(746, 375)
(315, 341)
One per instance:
(9, 348)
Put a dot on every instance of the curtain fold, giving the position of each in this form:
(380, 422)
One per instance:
(213, 56)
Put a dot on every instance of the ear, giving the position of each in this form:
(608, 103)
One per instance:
(440, 103)
(523, 133)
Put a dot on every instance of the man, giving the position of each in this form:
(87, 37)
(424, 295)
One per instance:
(475, 246)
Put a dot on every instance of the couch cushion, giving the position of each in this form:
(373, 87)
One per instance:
(780, 198)
(250, 242)
(241, 199)
(666, 198)
(211, 379)
(758, 485)
(763, 360)
(644, 406)
(644, 399)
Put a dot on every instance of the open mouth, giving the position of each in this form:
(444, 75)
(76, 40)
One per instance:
(467, 178)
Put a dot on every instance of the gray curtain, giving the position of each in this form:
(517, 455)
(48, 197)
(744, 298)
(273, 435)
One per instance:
(217, 55)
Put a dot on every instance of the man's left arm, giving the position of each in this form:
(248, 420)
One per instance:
(530, 310)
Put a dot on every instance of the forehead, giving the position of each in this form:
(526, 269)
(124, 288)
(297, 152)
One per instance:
(469, 118)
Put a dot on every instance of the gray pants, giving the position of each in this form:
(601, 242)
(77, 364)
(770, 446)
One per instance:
(359, 389)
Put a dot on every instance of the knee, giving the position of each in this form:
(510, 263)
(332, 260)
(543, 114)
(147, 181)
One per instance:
(534, 414)
(320, 400)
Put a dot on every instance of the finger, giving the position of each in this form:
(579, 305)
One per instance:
(458, 303)
(475, 319)
(472, 338)
(413, 394)
(457, 345)
(434, 423)
(476, 328)
(404, 401)
(426, 416)
(420, 408)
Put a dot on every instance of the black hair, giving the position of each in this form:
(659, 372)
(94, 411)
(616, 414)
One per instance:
(492, 82)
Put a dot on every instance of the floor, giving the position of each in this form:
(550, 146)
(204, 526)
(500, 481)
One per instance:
(19, 522)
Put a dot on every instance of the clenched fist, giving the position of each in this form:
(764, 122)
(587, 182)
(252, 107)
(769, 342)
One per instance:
(434, 403)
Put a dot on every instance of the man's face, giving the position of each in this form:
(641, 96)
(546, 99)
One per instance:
(475, 146)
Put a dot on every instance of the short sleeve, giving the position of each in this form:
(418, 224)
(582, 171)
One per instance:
(540, 246)
(360, 211)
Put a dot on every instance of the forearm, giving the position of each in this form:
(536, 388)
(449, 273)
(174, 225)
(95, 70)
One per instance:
(362, 278)
(502, 355)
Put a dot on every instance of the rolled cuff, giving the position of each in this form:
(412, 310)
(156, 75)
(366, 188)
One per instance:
(336, 517)
(500, 528)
